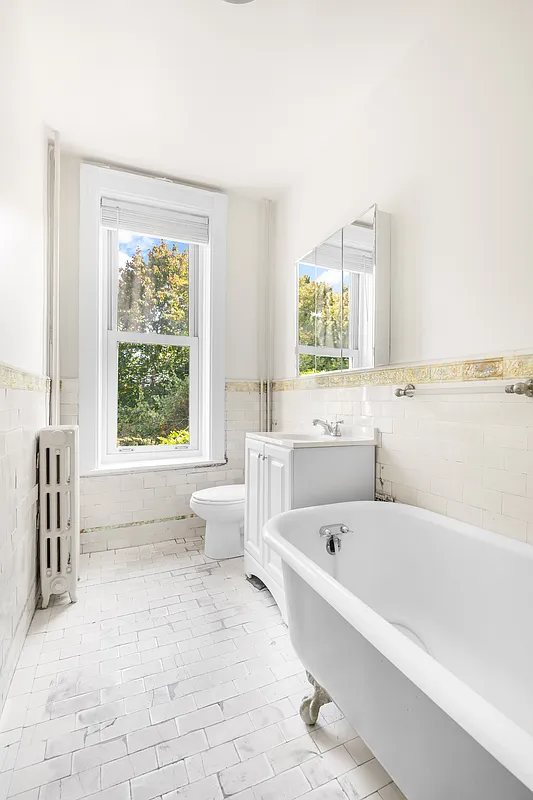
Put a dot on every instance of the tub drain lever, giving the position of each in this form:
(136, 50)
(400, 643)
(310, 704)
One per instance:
(333, 535)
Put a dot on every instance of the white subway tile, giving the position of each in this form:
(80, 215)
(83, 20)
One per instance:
(515, 528)
(486, 499)
(464, 513)
(518, 507)
(505, 436)
(504, 481)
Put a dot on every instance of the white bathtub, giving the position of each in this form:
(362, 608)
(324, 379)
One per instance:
(421, 629)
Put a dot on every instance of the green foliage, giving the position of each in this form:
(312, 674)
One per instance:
(175, 437)
(153, 294)
(153, 380)
(323, 322)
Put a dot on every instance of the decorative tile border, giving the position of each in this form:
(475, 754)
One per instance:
(15, 378)
(136, 524)
(478, 370)
(243, 386)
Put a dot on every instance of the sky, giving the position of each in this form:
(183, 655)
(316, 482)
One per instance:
(129, 242)
(331, 276)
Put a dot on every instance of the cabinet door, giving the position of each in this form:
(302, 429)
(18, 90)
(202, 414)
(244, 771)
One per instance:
(253, 511)
(277, 468)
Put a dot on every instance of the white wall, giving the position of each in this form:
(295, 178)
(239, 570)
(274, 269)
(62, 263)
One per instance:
(244, 259)
(445, 143)
(22, 399)
(22, 187)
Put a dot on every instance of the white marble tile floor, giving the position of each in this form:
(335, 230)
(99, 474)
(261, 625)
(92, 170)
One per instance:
(172, 678)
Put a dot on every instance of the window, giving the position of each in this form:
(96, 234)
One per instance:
(336, 291)
(151, 332)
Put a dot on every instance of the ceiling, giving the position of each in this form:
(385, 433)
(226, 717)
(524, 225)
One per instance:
(236, 96)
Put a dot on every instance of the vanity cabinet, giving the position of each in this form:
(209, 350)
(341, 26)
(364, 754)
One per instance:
(282, 474)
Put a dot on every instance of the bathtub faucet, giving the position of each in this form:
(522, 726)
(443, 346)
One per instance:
(329, 428)
(333, 534)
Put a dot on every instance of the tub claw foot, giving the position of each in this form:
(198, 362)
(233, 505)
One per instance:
(311, 706)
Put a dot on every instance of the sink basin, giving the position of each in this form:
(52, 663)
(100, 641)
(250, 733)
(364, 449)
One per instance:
(293, 439)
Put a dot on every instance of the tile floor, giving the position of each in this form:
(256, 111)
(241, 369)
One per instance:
(172, 678)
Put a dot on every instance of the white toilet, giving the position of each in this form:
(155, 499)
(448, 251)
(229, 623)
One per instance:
(222, 507)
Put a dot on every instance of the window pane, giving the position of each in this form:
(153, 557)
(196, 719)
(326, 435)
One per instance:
(310, 364)
(153, 395)
(153, 285)
(321, 313)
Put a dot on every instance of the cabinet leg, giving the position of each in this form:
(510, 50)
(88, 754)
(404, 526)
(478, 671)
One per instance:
(311, 706)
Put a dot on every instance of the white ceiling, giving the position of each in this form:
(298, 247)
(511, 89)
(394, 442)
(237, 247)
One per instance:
(240, 97)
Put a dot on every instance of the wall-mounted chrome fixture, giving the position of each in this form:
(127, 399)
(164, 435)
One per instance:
(407, 391)
(479, 387)
(521, 388)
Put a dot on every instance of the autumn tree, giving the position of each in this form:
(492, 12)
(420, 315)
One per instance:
(320, 323)
(153, 380)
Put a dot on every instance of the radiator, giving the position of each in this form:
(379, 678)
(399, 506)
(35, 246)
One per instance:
(59, 511)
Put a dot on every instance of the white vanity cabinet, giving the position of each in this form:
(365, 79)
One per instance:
(283, 472)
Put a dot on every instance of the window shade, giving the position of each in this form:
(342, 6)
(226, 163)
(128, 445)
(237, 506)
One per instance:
(155, 221)
(332, 256)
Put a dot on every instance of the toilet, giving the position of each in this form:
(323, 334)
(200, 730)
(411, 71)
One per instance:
(222, 507)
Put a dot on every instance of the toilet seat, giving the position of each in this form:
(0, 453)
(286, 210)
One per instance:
(221, 495)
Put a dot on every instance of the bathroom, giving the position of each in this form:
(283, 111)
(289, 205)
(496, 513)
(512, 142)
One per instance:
(180, 671)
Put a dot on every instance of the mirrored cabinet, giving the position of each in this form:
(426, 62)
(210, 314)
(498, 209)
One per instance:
(344, 298)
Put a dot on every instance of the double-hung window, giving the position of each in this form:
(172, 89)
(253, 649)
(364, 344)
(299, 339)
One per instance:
(152, 268)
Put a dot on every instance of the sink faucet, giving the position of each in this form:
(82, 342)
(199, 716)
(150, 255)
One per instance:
(329, 428)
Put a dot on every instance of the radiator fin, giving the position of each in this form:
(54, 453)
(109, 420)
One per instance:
(59, 492)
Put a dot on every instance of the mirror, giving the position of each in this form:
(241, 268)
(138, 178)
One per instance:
(344, 298)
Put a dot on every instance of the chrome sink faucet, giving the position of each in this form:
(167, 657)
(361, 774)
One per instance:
(329, 428)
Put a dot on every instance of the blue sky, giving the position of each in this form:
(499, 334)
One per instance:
(129, 242)
(331, 276)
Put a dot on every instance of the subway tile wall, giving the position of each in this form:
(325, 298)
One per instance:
(468, 456)
(22, 413)
(142, 508)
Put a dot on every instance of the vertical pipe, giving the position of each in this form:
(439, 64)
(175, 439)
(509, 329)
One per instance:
(52, 310)
(265, 320)
(268, 315)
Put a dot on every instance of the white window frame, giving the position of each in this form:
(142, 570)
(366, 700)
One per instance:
(355, 332)
(99, 339)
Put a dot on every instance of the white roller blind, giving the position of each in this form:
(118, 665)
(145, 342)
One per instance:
(333, 256)
(164, 222)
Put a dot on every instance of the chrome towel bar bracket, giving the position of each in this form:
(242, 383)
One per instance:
(523, 387)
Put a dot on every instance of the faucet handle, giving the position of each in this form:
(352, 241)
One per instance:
(336, 431)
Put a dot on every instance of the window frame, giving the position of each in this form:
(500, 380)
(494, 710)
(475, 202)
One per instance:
(98, 343)
(351, 353)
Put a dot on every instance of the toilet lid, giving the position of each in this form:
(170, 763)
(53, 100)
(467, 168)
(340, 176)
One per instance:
(221, 494)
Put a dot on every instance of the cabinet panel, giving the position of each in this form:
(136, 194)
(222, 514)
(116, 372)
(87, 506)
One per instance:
(253, 515)
(277, 498)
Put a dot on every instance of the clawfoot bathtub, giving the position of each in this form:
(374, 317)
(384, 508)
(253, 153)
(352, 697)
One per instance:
(421, 630)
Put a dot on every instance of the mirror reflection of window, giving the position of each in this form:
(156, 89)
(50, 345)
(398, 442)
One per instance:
(337, 299)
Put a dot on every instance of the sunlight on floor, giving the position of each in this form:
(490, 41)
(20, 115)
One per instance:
(171, 677)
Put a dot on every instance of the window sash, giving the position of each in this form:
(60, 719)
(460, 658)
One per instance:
(336, 352)
(112, 451)
(109, 416)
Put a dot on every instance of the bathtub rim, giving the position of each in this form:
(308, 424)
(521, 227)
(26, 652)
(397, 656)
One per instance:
(503, 738)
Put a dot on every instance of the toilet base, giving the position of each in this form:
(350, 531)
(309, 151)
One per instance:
(223, 540)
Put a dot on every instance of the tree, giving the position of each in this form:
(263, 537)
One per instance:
(153, 380)
(320, 323)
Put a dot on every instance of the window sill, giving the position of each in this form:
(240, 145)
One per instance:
(153, 466)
